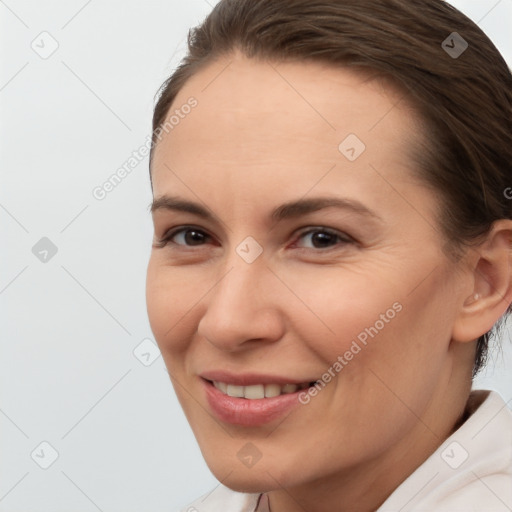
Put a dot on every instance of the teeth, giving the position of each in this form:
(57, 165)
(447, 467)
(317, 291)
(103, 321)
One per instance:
(290, 388)
(272, 390)
(221, 387)
(257, 391)
(252, 392)
(236, 391)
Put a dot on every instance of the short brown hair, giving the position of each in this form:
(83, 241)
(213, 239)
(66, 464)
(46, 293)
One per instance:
(464, 101)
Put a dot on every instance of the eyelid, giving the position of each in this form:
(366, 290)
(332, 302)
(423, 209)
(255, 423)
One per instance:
(320, 227)
(182, 227)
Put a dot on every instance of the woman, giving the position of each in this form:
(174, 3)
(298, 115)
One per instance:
(332, 253)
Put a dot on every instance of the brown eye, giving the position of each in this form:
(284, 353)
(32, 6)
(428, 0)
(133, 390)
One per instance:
(322, 239)
(192, 237)
(187, 237)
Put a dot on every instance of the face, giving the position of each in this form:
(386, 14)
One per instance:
(294, 245)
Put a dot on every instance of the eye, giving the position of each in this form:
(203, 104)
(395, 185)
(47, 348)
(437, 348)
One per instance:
(322, 238)
(185, 236)
(313, 238)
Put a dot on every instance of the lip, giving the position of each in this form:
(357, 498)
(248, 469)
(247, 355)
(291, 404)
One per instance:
(244, 412)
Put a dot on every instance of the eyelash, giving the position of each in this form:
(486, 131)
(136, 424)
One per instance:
(342, 237)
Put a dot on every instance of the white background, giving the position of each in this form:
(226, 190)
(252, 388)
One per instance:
(69, 326)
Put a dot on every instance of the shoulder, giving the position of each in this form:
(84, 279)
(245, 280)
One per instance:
(222, 498)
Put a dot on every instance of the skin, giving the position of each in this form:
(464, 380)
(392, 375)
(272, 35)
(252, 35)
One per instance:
(264, 134)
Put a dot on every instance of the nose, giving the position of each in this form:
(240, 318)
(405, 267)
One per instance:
(244, 306)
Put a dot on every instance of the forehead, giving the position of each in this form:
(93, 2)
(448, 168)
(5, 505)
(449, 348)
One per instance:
(258, 114)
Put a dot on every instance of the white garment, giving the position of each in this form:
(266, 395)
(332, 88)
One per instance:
(470, 471)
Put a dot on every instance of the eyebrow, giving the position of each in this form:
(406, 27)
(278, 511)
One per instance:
(291, 209)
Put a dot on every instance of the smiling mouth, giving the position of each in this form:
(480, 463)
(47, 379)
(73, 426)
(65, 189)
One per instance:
(258, 391)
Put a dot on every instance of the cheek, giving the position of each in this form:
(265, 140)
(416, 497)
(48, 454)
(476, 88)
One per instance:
(382, 337)
(171, 297)
(404, 359)
(334, 307)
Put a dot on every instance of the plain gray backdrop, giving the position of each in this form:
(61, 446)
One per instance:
(88, 416)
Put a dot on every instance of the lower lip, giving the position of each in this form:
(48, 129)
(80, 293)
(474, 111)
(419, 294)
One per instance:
(247, 412)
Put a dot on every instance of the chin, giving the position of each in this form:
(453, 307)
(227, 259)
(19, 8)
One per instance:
(248, 482)
(256, 479)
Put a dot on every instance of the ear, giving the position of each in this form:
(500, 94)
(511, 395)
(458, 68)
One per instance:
(491, 274)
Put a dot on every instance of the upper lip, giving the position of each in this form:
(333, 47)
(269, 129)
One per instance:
(249, 379)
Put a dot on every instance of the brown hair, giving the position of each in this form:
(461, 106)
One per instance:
(464, 100)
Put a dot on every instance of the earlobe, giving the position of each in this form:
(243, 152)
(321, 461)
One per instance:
(492, 284)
